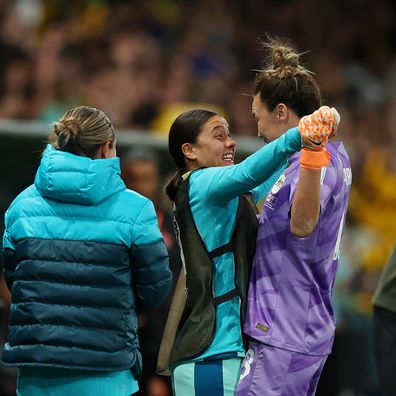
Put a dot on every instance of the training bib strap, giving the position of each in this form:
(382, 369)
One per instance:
(220, 250)
(225, 297)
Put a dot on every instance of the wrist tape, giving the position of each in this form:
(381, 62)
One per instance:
(311, 159)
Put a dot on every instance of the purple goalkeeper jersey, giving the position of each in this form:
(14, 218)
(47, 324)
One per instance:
(289, 300)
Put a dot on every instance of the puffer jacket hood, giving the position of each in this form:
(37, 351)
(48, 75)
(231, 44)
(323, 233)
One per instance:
(73, 178)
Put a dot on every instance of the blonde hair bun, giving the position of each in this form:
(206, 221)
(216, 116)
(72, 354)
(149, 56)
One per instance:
(81, 131)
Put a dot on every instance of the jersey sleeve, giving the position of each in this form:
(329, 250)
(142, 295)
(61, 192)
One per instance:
(220, 184)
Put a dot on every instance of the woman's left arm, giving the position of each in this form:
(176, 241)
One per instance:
(306, 203)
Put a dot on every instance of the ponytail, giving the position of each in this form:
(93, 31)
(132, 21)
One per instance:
(174, 183)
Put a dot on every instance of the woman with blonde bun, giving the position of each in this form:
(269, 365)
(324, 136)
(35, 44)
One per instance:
(79, 250)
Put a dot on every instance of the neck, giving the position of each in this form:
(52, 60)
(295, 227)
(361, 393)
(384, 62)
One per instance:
(192, 165)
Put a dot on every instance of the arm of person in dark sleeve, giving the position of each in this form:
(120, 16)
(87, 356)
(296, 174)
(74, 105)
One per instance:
(8, 260)
(151, 276)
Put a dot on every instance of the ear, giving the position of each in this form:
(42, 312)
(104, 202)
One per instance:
(105, 150)
(282, 112)
(188, 151)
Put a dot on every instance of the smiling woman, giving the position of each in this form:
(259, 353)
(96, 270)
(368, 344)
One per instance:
(214, 146)
(216, 225)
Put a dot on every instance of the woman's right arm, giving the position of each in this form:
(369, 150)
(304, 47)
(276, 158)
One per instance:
(151, 276)
(224, 183)
(8, 258)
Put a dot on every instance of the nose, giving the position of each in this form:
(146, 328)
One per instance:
(230, 142)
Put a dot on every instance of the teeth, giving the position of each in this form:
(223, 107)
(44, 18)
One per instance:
(227, 157)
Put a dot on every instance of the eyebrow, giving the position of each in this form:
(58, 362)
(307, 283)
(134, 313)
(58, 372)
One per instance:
(216, 127)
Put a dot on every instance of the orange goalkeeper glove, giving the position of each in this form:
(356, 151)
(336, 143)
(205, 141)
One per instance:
(316, 128)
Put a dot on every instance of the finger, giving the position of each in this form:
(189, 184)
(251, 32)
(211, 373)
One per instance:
(336, 117)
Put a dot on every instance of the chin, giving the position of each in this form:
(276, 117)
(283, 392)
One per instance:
(228, 163)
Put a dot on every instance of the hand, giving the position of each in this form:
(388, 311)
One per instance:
(337, 119)
(315, 129)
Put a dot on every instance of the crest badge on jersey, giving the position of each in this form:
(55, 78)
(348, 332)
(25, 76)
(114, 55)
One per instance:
(278, 184)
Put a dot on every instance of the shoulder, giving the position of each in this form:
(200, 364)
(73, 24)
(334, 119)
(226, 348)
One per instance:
(132, 203)
(200, 185)
(340, 166)
(199, 175)
(339, 155)
(202, 179)
(22, 200)
(131, 196)
(29, 192)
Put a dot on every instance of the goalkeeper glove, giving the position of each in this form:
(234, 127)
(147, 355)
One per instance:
(316, 128)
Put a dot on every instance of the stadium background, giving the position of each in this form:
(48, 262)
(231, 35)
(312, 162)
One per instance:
(143, 62)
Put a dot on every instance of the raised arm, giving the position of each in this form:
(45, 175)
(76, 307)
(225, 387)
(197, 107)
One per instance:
(224, 183)
(306, 202)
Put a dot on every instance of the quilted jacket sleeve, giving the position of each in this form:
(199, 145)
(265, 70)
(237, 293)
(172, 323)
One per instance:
(8, 258)
(151, 275)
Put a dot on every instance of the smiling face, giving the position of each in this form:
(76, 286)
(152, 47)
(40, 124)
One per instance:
(214, 146)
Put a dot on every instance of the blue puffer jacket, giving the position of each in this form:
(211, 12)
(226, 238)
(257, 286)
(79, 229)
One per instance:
(78, 249)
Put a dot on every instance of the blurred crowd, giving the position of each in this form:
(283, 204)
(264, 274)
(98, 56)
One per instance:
(143, 62)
